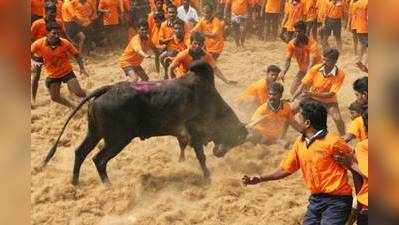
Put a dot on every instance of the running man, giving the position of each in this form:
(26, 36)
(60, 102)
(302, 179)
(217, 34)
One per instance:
(331, 196)
(322, 83)
(239, 15)
(54, 52)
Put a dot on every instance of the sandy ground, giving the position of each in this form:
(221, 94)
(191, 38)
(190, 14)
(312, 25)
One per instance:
(149, 185)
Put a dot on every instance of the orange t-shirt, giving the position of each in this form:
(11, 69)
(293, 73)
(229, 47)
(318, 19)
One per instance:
(258, 91)
(112, 16)
(166, 31)
(85, 13)
(272, 126)
(335, 11)
(321, 173)
(183, 61)
(357, 128)
(319, 83)
(352, 15)
(37, 7)
(130, 57)
(177, 45)
(38, 29)
(154, 34)
(239, 7)
(362, 156)
(127, 5)
(212, 44)
(361, 16)
(294, 14)
(310, 10)
(273, 6)
(303, 55)
(56, 61)
(68, 12)
(321, 6)
(176, 3)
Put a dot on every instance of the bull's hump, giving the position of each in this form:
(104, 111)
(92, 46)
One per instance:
(148, 86)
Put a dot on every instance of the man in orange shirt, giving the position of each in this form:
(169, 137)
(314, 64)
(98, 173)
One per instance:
(166, 30)
(310, 15)
(112, 11)
(174, 46)
(38, 28)
(213, 30)
(257, 93)
(37, 10)
(239, 15)
(331, 195)
(322, 83)
(154, 27)
(54, 52)
(335, 11)
(305, 51)
(138, 49)
(272, 10)
(358, 164)
(270, 121)
(184, 59)
(294, 12)
(356, 128)
(361, 11)
(351, 25)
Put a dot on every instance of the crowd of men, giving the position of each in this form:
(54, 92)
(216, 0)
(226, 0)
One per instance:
(175, 33)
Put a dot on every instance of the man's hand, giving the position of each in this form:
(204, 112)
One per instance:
(250, 180)
(306, 94)
(231, 82)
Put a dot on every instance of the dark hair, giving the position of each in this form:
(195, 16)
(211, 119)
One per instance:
(49, 6)
(365, 116)
(278, 87)
(197, 36)
(361, 85)
(209, 6)
(300, 26)
(51, 25)
(171, 6)
(331, 53)
(273, 68)
(159, 15)
(356, 106)
(315, 112)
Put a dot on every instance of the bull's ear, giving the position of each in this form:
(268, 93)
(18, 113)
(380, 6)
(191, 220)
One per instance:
(202, 69)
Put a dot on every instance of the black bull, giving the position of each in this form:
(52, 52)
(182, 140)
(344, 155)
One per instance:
(189, 108)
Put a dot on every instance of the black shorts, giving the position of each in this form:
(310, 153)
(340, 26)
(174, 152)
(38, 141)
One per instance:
(72, 29)
(333, 26)
(34, 17)
(363, 39)
(71, 75)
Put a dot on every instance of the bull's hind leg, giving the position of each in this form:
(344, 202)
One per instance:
(182, 144)
(109, 151)
(81, 153)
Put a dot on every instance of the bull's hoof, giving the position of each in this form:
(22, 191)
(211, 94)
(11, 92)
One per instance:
(207, 174)
(75, 182)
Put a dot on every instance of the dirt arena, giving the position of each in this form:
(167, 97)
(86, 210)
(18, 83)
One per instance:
(149, 185)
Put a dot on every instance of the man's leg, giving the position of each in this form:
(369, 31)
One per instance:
(139, 71)
(81, 40)
(54, 90)
(74, 87)
(355, 41)
(37, 70)
(335, 113)
(274, 26)
(338, 210)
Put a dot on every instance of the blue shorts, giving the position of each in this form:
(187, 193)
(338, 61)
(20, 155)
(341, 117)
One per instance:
(325, 209)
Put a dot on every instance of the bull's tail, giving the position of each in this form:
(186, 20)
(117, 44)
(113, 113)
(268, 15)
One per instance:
(96, 93)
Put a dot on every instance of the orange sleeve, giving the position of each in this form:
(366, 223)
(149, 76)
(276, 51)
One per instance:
(314, 50)
(291, 163)
(259, 112)
(197, 27)
(35, 47)
(361, 153)
(70, 48)
(338, 83)
(176, 61)
(288, 113)
(308, 79)
(354, 127)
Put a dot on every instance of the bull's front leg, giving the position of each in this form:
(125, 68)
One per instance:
(183, 141)
(199, 152)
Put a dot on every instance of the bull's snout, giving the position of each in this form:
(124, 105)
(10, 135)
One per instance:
(219, 151)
